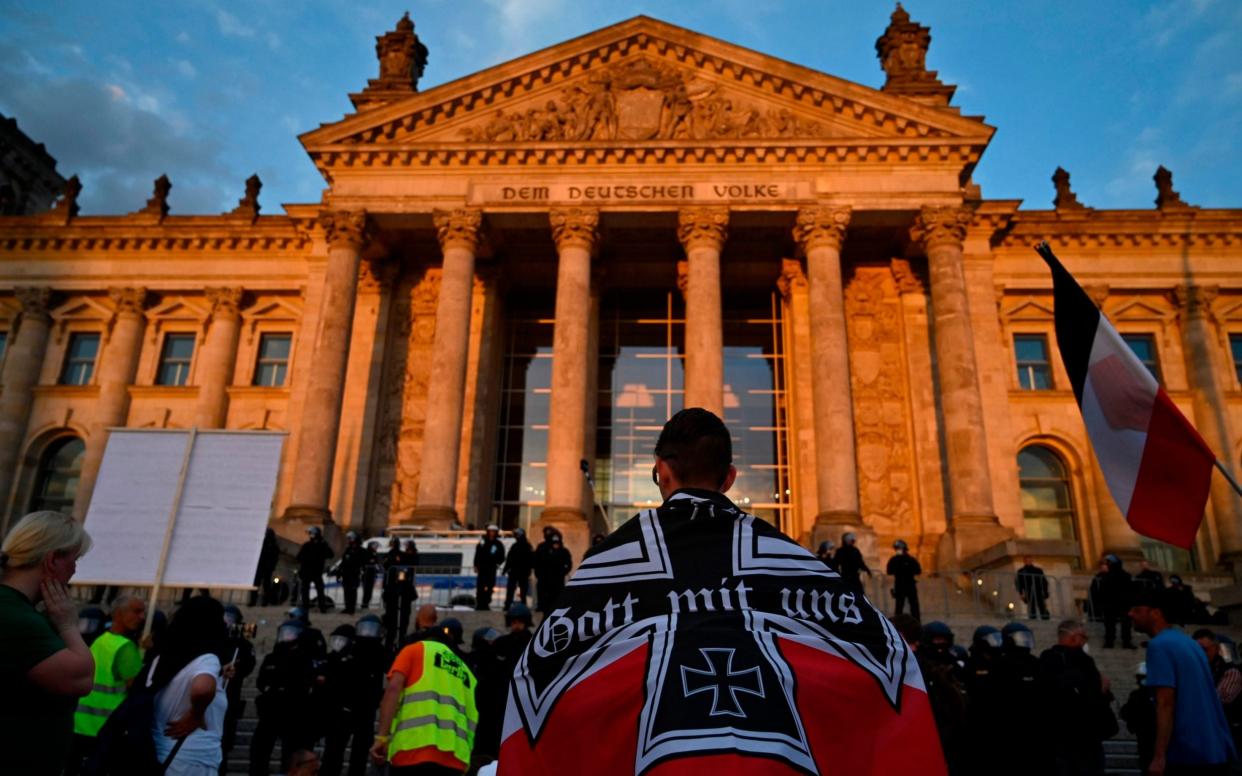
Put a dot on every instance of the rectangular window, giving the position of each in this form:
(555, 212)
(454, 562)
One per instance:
(80, 359)
(4, 344)
(1031, 353)
(273, 363)
(1144, 346)
(175, 360)
(1235, 347)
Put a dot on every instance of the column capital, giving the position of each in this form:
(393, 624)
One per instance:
(458, 228)
(821, 225)
(941, 225)
(225, 301)
(344, 228)
(36, 301)
(703, 225)
(129, 300)
(575, 227)
(792, 276)
(1196, 301)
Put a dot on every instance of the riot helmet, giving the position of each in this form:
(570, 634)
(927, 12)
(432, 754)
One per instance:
(450, 631)
(986, 637)
(369, 627)
(1113, 561)
(1015, 634)
(314, 532)
(289, 632)
(519, 611)
(483, 638)
(341, 639)
(900, 545)
(518, 533)
(937, 636)
(299, 614)
(848, 538)
(233, 616)
(825, 547)
(351, 536)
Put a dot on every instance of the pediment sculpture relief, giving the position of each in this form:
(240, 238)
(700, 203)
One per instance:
(643, 100)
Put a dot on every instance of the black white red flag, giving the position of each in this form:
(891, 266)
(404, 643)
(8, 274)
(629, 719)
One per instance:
(1157, 467)
(698, 639)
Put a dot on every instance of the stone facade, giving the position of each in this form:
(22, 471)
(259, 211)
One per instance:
(642, 161)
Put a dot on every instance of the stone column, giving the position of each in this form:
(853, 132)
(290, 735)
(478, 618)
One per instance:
(458, 232)
(1211, 415)
(576, 235)
(346, 233)
(702, 232)
(117, 364)
(820, 231)
(218, 358)
(22, 365)
(973, 520)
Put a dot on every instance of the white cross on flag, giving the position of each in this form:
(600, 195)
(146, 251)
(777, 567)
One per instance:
(1157, 467)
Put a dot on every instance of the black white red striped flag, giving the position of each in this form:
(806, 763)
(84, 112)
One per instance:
(1157, 467)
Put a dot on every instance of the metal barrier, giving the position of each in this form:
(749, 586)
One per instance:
(987, 594)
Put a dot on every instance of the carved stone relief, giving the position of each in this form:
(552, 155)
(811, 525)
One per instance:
(642, 100)
(886, 473)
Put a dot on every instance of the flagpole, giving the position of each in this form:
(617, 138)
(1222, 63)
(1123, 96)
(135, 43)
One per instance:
(1236, 488)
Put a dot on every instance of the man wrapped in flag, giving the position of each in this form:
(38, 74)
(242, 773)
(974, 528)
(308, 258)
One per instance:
(1157, 467)
(698, 639)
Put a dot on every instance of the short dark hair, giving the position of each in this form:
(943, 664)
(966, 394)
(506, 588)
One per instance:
(1205, 633)
(1153, 599)
(696, 446)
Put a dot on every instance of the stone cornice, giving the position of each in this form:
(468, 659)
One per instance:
(1126, 229)
(822, 225)
(575, 227)
(187, 233)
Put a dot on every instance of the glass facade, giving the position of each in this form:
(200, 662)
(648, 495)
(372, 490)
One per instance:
(80, 359)
(1235, 349)
(522, 452)
(175, 360)
(1031, 353)
(59, 470)
(1047, 505)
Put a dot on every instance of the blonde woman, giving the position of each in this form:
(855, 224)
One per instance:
(45, 666)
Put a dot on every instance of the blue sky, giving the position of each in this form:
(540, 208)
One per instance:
(209, 92)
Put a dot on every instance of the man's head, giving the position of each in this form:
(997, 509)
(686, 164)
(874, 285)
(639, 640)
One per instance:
(1072, 634)
(1149, 611)
(426, 617)
(694, 451)
(493, 531)
(304, 762)
(1026, 560)
(129, 614)
(519, 618)
(1211, 645)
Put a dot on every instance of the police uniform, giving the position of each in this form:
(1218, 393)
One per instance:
(353, 558)
(489, 553)
(353, 685)
(285, 683)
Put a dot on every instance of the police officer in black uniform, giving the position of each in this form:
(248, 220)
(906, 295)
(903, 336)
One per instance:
(399, 592)
(286, 680)
(489, 695)
(489, 553)
(1116, 593)
(824, 553)
(312, 558)
(372, 568)
(353, 684)
(240, 652)
(518, 564)
(552, 563)
(904, 568)
(986, 704)
(353, 558)
(946, 691)
(849, 562)
(1017, 670)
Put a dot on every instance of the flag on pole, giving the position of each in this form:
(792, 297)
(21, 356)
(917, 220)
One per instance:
(1157, 467)
(698, 639)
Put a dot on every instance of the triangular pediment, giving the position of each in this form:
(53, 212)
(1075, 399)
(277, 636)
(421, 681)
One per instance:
(1030, 310)
(1139, 310)
(645, 83)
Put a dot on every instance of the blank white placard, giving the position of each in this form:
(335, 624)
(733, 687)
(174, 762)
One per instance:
(224, 509)
(130, 506)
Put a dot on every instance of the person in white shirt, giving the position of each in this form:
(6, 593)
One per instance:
(190, 704)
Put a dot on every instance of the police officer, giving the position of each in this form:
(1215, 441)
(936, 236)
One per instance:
(428, 713)
(946, 691)
(986, 709)
(286, 681)
(489, 553)
(1032, 586)
(904, 568)
(241, 655)
(1017, 670)
(1116, 593)
(349, 693)
(552, 563)
(490, 695)
(312, 558)
(824, 553)
(353, 558)
(399, 591)
(372, 568)
(518, 565)
(849, 561)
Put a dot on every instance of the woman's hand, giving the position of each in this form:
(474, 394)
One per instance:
(62, 610)
(180, 728)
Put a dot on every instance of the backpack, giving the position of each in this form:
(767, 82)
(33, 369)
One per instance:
(125, 746)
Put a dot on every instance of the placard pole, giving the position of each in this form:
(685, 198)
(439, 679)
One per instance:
(168, 532)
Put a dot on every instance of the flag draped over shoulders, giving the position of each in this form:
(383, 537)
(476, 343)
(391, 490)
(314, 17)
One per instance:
(699, 639)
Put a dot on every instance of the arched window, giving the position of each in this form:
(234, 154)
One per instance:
(59, 470)
(1047, 504)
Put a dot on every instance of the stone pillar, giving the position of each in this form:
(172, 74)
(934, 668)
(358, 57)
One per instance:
(346, 233)
(117, 364)
(219, 356)
(458, 232)
(1211, 415)
(575, 233)
(820, 231)
(973, 522)
(702, 232)
(22, 365)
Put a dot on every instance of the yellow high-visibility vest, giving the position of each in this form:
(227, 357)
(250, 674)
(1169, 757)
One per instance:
(107, 692)
(439, 709)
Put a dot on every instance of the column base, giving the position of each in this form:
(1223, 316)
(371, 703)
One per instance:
(571, 523)
(433, 518)
(305, 513)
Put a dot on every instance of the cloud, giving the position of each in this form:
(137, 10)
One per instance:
(185, 68)
(183, 37)
(231, 26)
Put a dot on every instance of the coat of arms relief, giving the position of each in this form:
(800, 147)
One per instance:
(642, 100)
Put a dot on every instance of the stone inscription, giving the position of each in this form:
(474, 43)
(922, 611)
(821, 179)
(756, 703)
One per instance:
(622, 193)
